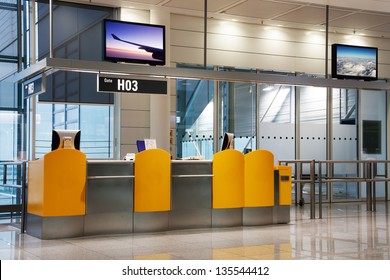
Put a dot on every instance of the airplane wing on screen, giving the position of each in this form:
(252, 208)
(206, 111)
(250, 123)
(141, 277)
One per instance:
(156, 52)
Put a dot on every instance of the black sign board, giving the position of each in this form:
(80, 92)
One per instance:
(131, 85)
(34, 86)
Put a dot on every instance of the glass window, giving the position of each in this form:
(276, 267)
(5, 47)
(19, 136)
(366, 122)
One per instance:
(194, 118)
(277, 118)
(8, 53)
(94, 122)
(373, 127)
(97, 133)
(9, 124)
(8, 93)
(8, 30)
(344, 142)
(238, 114)
(313, 111)
(79, 38)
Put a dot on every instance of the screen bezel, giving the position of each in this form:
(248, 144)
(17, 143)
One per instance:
(132, 60)
(352, 77)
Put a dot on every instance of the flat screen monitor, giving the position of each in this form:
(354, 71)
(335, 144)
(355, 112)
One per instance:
(134, 42)
(228, 141)
(354, 62)
(65, 139)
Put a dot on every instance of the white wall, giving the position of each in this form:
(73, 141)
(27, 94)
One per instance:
(239, 45)
(263, 47)
(134, 108)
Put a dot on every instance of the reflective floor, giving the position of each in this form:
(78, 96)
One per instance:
(346, 231)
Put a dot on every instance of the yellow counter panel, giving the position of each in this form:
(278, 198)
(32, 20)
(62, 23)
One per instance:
(259, 179)
(152, 185)
(228, 179)
(56, 184)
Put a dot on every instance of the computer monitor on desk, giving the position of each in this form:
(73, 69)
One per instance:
(65, 139)
(228, 141)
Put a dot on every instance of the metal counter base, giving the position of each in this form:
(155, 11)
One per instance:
(108, 223)
(151, 221)
(227, 217)
(258, 216)
(54, 227)
(281, 214)
(191, 194)
(189, 218)
(109, 197)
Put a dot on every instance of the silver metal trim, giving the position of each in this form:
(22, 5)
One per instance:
(192, 176)
(110, 177)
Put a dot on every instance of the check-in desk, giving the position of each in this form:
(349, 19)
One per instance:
(69, 196)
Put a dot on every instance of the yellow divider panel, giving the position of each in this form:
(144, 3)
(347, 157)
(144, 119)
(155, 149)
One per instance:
(228, 179)
(285, 184)
(152, 184)
(35, 187)
(57, 184)
(259, 179)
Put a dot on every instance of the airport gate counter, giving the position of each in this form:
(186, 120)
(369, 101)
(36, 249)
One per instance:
(81, 197)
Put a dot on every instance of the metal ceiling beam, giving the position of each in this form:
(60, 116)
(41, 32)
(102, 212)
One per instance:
(49, 65)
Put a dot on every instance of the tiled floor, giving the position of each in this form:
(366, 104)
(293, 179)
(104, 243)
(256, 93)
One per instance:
(346, 231)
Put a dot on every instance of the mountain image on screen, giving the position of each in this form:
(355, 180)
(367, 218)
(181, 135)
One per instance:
(354, 62)
(355, 66)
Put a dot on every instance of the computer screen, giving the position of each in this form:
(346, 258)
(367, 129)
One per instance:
(68, 139)
(134, 42)
(228, 141)
(354, 62)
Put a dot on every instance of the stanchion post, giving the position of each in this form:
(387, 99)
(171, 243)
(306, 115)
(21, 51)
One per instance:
(312, 191)
(319, 190)
(24, 197)
(367, 169)
(5, 174)
(299, 185)
(373, 174)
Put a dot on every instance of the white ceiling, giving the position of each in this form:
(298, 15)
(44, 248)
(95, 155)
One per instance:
(370, 17)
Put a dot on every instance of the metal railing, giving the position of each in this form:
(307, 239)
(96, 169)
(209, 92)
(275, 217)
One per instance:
(299, 178)
(367, 172)
(18, 181)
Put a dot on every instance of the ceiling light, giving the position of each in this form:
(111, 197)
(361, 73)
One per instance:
(268, 88)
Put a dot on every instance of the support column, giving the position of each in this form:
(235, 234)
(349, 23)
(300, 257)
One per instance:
(160, 104)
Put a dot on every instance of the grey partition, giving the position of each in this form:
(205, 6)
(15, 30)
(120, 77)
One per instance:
(109, 197)
(281, 213)
(191, 192)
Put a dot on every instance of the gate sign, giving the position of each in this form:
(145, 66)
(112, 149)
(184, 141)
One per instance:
(131, 85)
(34, 86)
